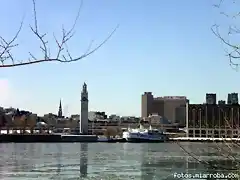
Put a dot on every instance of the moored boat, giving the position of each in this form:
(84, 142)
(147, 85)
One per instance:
(144, 135)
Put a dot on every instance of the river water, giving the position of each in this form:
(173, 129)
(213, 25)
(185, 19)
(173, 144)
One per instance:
(105, 161)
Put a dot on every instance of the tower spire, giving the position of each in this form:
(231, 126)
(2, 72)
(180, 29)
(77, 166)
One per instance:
(60, 109)
(84, 89)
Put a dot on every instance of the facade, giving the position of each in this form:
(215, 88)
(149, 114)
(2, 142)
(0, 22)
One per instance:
(213, 120)
(171, 107)
(84, 110)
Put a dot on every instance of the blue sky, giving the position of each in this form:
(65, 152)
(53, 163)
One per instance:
(163, 46)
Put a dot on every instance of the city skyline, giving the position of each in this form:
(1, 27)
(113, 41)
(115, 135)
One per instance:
(159, 47)
(210, 98)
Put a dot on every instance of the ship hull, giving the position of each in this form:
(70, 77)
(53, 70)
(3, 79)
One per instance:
(139, 140)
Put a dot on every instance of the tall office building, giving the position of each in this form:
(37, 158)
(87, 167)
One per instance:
(211, 98)
(147, 100)
(232, 98)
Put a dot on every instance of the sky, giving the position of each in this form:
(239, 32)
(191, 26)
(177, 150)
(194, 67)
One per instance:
(163, 46)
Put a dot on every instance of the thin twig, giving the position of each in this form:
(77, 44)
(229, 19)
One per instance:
(233, 49)
(63, 53)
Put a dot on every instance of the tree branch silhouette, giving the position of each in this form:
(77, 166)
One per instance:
(230, 42)
(63, 54)
(228, 150)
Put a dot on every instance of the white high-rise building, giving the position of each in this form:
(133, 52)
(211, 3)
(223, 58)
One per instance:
(84, 110)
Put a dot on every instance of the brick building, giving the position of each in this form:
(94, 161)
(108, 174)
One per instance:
(171, 107)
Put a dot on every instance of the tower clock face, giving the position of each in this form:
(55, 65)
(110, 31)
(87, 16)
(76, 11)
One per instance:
(84, 99)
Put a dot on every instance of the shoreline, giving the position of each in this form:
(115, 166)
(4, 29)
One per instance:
(60, 138)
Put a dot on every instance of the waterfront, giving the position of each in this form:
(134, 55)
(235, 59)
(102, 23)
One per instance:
(104, 161)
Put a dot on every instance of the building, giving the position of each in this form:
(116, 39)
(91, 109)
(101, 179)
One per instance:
(147, 104)
(171, 107)
(75, 117)
(92, 115)
(213, 120)
(84, 110)
(114, 117)
(95, 115)
(211, 98)
(161, 123)
(221, 102)
(232, 98)
(100, 126)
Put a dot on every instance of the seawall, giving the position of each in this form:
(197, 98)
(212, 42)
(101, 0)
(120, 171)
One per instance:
(45, 138)
(79, 138)
(207, 140)
(27, 138)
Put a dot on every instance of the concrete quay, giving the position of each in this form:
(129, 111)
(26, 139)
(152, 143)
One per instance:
(46, 138)
(58, 138)
(29, 138)
(79, 138)
(203, 139)
(55, 138)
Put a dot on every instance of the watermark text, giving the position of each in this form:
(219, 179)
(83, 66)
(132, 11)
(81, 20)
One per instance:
(205, 176)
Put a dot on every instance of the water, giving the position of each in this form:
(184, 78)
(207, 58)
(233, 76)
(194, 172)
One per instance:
(105, 161)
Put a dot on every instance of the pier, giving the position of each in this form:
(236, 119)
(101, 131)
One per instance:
(47, 135)
(204, 139)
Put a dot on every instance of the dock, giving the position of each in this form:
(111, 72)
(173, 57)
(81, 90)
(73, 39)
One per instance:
(68, 138)
(204, 139)
(78, 138)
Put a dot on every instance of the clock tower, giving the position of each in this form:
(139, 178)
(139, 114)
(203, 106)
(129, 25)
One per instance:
(84, 110)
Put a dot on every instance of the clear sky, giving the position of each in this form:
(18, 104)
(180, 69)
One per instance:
(163, 46)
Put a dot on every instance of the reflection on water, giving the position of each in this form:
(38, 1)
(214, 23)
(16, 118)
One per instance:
(106, 161)
(83, 160)
(58, 159)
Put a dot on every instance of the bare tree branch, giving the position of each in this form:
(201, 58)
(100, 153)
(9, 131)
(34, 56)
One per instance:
(226, 149)
(63, 53)
(6, 46)
(232, 48)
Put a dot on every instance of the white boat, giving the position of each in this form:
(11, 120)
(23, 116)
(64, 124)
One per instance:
(102, 139)
(144, 135)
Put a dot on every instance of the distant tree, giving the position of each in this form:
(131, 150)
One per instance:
(19, 122)
(119, 131)
(110, 131)
(3, 120)
(31, 122)
(63, 54)
(228, 32)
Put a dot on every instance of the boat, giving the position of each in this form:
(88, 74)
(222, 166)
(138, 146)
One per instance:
(102, 139)
(144, 135)
(110, 140)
